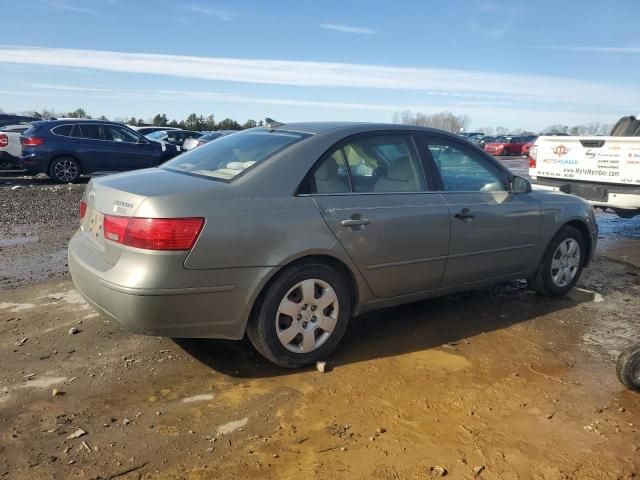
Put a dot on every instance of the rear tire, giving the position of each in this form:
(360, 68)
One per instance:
(562, 263)
(628, 367)
(302, 316)
(64, 170)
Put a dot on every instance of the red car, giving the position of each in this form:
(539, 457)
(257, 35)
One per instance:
(526, 147)
(506, 145)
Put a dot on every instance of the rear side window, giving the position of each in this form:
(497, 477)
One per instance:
(370, 164)
(383, 164)
(229, 156)
(330, 175)
(63, 130)
(92, 131)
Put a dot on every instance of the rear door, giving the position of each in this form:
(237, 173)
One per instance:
(96, 155)
(372, 193)
(493, 232)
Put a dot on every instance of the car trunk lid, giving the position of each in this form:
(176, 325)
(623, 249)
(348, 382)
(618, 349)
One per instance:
(141, 193)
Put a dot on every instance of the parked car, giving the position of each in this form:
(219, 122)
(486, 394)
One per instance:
(146, 130)
(191, 143)
(472, 135)
(274, 232)
(66, 149)
(10, 119)
(527, 147)
(174, 137)
(482, 141)
(506, 145)
(10, 147)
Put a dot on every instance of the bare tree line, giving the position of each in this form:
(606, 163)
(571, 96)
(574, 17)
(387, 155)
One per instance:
(460, 123)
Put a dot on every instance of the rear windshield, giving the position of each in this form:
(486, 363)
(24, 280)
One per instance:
(229, 156)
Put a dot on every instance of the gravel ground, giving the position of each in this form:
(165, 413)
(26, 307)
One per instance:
(36, 223)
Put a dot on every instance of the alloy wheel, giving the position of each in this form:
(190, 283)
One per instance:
(307, 315)
(565, 262)
(66, 170)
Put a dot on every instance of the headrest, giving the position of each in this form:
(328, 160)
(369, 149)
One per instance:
(328, 170)
(400, 170)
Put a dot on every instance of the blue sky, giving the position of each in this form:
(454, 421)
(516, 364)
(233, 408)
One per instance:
(503, 63)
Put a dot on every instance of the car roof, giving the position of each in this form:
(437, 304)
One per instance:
(67, 121)
(316, 128)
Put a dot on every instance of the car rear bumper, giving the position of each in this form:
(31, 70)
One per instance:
(219, 309)
(7, 158)
(34, 162)
(616, 197)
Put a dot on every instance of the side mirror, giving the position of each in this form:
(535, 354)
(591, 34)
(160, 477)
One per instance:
(520, 185)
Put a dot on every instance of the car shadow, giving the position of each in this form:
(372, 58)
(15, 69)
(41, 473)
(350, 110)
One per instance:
(396, 331)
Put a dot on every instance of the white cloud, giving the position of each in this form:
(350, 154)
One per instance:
(207, 10)
(600, 49)
(557, 92)
(70, 88)
(347, 29)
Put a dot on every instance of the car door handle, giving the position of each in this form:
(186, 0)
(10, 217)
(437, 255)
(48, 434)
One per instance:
(464, 215)
(354, 222)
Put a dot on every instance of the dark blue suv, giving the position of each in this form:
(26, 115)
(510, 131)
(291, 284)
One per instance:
(66, 149)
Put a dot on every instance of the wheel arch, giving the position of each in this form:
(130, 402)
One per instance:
(338, 264)
(60, 155)
(582, 227)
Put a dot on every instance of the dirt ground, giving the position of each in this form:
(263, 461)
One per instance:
(491, 384)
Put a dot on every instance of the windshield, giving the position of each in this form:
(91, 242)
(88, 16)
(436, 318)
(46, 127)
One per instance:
(231, 155)
(159, 135)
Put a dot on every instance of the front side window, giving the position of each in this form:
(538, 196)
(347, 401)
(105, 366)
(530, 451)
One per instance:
(229, 156)
(119, 134)
(92, 131)
(463, 170)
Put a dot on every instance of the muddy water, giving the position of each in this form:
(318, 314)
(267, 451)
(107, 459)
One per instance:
(619, 237)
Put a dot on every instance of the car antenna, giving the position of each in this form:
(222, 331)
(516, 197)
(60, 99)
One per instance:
(271, 123)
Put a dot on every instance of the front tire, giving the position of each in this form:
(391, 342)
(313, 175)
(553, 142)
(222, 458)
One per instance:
(561, 264)
(628, 367)
(302, 316)
(65, 170)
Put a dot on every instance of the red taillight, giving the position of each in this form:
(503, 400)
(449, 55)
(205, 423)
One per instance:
(31, 141)
(83, 209)
(114, 228)
(153, 233)
(4, 140)
(533, 156)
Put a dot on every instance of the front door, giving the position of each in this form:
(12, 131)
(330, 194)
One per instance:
(128, 150)
(371, 191)
(493, 232)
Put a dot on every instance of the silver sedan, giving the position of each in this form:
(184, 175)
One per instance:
(286, 232)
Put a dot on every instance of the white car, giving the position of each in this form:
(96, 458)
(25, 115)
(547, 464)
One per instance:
(10, 147)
